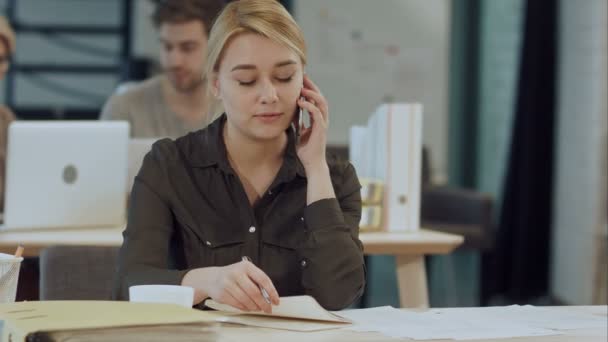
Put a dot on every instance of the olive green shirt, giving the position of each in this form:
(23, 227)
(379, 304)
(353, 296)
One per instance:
(189, 210)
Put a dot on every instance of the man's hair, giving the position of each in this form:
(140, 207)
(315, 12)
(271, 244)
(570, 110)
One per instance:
(180, 11)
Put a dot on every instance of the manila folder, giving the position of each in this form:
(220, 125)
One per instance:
(25, 318)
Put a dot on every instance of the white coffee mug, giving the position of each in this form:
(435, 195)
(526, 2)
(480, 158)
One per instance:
(173, 294)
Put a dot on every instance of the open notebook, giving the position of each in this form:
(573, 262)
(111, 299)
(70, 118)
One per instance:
(298, 313)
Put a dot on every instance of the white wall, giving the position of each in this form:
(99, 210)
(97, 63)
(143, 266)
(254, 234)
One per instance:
(363, 52)
(581, 151)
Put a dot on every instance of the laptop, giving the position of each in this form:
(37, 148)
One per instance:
(66, 174)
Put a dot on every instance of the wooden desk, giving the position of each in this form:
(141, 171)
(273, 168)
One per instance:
(35, 241)
(242, 333)
(409, 250)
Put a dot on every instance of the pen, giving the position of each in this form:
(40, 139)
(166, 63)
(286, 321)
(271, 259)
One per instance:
(263, 290)
(19, 251)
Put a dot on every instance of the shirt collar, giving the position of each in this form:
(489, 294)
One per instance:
(206, 148)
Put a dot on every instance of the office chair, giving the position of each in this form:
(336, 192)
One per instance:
(77, 272)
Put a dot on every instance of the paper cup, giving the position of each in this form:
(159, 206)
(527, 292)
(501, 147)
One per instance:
(9, 276)
(173, 294)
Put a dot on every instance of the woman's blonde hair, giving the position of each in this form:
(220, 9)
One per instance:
(267, 18)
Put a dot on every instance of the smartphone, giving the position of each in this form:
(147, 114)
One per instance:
(297, 121)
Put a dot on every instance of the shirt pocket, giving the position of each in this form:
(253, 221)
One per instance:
(288, 235)
(202, 248)
(222, 253)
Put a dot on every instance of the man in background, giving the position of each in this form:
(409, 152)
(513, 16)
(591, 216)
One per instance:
(174, 102)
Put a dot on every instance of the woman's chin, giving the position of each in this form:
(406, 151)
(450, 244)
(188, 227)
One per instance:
(267, 133)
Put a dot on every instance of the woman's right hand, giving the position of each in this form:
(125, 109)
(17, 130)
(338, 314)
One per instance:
(237, 285)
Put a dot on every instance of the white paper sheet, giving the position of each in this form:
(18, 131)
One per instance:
(439, 324)
(298, 307)
(554, 318)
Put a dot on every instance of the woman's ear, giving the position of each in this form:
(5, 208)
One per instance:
(215, 86)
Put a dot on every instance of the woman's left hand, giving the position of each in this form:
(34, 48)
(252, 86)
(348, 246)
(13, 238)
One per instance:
(313, 139)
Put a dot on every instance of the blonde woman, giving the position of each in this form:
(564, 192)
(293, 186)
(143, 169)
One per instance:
(245, 211)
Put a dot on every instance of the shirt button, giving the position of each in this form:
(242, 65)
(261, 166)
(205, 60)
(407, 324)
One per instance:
(208, 243)
(270, 192)
(303, 263)
(252, 229)
(302, 218)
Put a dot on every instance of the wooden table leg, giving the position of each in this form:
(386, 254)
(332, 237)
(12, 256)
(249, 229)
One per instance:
(411, 279)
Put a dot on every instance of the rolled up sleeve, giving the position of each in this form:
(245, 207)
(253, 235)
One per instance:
(332, 254)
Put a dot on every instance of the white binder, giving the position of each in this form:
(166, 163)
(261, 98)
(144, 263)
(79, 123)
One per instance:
(390, 150)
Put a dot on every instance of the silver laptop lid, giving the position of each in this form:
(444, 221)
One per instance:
(66, 174)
